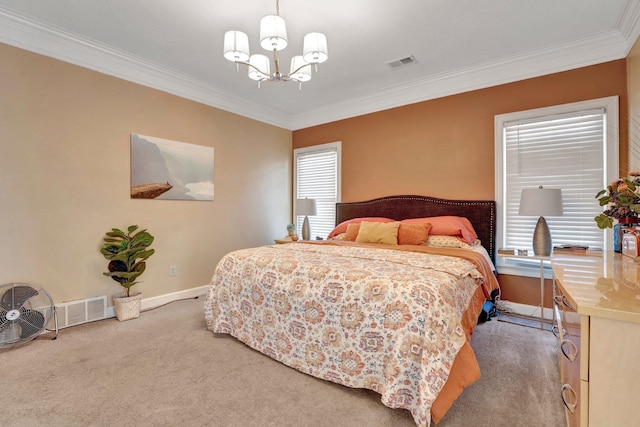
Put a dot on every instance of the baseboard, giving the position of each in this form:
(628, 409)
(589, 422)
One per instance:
(526, 310)
(148, 303)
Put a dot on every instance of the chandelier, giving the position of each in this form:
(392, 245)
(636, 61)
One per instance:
(273, 37)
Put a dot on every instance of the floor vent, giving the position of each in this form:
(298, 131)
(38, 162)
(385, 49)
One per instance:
(81, 311)
(403, 62)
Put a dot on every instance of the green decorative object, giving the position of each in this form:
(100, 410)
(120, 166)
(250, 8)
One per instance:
(127, 253)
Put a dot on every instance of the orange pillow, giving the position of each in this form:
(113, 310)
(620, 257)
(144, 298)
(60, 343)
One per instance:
(342, 227)
(448, 226)
(413, 234)
(352, 231)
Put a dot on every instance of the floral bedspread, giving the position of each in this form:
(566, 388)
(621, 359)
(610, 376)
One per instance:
(379, 319)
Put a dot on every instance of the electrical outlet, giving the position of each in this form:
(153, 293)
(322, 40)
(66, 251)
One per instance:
(172, 271)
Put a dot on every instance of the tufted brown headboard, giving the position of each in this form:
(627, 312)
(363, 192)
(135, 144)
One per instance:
(481, 213)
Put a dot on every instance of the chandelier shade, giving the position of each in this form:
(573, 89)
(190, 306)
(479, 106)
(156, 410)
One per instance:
(273, 33)
(259, 63)
(315, 49)
(273, 38)
(236, 46)
(300, 69)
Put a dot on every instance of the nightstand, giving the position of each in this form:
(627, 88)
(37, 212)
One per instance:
(282, 241)
(542, 259)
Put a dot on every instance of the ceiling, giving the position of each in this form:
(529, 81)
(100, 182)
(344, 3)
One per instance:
(459, 45)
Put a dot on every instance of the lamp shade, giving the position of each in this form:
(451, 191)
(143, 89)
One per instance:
(303, 73)
(541, 202)
(306, 207)
(314, 48)
(261, 62)
(273, 33)
(236, 46)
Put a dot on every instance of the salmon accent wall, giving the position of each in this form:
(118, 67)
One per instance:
(445, 147)
(65, 179)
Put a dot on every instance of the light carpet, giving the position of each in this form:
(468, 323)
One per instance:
(166, 369)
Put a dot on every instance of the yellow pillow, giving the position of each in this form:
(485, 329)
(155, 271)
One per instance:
(378, 232)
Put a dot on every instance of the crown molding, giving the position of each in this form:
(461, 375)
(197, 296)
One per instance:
(585, 52)
(23, 32)
(629, 23)
(26, 33)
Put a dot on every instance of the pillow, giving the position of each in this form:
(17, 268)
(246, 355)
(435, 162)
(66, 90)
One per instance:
(447, 242)
(340, 236)
(342, 227)
(413, 234)
(378, 232)
(352, 231)
(447, 226)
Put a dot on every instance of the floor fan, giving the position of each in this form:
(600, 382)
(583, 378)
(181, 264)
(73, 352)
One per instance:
(25, 312)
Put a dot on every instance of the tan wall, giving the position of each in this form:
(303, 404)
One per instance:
(64, 179)
(633, 88)
(445, 147)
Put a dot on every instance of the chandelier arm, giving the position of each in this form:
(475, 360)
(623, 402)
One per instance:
(255, 68)
(301, 67)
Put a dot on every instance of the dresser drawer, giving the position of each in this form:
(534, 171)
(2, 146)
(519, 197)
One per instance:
(605, 291)
(567, 329)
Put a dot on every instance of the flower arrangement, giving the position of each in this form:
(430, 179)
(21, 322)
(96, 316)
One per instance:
(622, 200)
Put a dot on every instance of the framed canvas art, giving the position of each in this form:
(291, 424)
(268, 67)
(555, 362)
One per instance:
(170, 170)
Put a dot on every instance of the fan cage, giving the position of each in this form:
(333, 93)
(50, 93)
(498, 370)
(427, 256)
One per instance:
(25, 310)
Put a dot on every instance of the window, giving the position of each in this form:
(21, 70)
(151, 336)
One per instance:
(317, 173)
(573, 147)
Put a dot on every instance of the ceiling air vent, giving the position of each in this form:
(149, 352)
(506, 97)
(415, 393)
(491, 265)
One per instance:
(401, 63)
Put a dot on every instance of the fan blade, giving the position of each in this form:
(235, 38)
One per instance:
(15, 297)
(31, 322)
(4, 323)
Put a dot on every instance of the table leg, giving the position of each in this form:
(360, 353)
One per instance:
(541, 294)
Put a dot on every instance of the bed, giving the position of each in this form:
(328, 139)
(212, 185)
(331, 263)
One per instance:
(392, 318)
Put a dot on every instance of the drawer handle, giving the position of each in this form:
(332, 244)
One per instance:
(556, 330)
(570, 406)
(574, 349)
(566, 303)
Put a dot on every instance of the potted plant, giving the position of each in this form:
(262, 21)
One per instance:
(621, 200)
(127, 253)
(291, 229)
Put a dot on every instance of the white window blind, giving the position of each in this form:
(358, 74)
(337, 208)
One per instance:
(573, 147)
(565, 151)
(317, 176)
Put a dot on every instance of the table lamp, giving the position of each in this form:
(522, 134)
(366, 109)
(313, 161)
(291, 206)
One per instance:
(306, 207)
(540, 202)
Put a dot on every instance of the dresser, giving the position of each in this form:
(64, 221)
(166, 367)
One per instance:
(597, 321)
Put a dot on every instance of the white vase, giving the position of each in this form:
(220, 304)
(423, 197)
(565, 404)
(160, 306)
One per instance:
(127, 308)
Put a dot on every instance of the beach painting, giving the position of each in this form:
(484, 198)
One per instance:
(170, 170)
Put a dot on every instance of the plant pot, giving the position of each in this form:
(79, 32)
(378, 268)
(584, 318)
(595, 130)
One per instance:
(127, 308)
